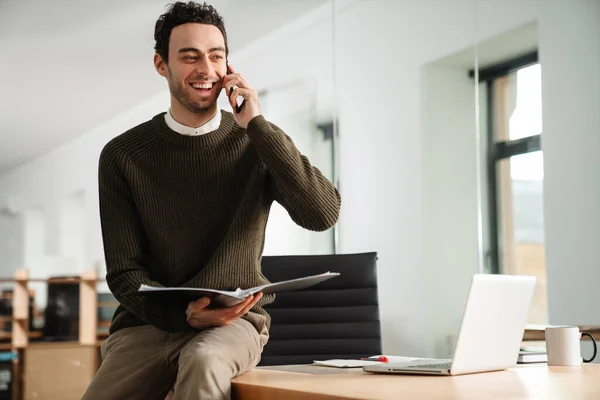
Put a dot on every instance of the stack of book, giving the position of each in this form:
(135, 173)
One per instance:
(528, 356)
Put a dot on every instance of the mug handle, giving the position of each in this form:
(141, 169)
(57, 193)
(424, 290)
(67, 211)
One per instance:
(595, 347)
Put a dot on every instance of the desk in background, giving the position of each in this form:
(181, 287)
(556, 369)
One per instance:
(538, 332)
(519, 383)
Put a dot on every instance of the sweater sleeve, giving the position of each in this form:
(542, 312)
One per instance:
(124, 243)
(311, 200)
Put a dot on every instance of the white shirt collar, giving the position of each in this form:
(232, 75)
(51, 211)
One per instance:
(211, 125)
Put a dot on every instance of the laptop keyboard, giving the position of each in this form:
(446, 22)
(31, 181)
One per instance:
(445, 365)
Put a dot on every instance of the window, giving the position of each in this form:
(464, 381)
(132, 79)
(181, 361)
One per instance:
(515, 173)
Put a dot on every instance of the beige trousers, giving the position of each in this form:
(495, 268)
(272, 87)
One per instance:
(145, 362)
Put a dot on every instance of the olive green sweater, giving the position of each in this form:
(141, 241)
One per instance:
(191, 211)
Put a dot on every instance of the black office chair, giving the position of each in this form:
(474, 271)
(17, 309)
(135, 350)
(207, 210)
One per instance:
(338, 318)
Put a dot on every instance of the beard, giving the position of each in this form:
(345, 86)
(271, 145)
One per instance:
(186, 96)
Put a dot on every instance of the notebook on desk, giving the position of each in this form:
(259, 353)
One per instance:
(490, 334)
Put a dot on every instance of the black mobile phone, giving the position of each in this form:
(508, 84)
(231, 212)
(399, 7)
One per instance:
(238, 107)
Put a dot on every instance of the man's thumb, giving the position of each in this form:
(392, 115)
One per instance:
(203, 302)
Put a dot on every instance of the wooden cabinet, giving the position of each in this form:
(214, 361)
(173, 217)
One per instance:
(53, 370)
(58, 370)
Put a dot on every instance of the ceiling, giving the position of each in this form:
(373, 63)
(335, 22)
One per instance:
(69, 65)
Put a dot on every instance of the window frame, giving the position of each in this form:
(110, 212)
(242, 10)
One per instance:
(498, 150)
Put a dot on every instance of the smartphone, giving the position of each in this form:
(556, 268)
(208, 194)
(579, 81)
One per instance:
(238, 107)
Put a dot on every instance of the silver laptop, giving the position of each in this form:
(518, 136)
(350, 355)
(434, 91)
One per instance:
(491, 332)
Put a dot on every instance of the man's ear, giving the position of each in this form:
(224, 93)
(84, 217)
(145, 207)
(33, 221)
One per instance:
(160, 65)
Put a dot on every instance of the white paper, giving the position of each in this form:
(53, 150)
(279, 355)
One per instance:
(344, 363)
(230, 298)
(292, 284)
(341, 363)
(238, 293)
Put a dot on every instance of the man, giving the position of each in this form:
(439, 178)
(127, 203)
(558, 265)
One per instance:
(184, 201)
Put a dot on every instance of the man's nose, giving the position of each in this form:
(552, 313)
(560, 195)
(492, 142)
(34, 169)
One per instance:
(204, 66)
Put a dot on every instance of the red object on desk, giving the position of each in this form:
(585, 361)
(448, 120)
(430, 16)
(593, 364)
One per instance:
(380, 359)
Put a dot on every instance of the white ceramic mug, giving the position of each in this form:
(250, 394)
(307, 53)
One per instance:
(562, 345)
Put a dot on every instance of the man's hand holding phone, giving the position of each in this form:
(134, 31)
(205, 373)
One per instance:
(250, 107)
(199, 317)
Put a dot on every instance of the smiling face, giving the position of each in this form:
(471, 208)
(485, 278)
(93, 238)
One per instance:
(196, 66)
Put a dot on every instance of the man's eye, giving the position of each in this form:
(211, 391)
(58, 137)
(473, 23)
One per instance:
(218, 57)
(189, 57)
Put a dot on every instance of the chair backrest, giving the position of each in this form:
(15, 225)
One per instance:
(338, 318)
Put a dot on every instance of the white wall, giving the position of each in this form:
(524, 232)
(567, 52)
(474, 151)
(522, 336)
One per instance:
(570, 58)
(72, 233)
(381, 48)
(449, 181)
(11, 243)
(293, 107)
(11, 247)
(50, 183)
(383, 195)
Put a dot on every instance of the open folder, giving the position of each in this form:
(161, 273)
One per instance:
(230, 298)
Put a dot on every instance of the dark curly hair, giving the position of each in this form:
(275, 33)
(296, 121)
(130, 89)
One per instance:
(181, 13)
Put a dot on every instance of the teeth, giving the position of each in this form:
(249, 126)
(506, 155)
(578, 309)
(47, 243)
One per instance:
(202, 85)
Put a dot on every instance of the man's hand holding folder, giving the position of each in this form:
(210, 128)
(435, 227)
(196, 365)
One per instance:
(201, 317)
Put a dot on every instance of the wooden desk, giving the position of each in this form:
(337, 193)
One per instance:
(526, 382)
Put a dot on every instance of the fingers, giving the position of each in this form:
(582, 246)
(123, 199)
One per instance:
(241, 90)
(233, 98)
(199, 304)
(257, 297)
(240, 306)
(223, 316)
(240, 309)
(246, 94)
(230, 81)
(196, 306)
(249, 301)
